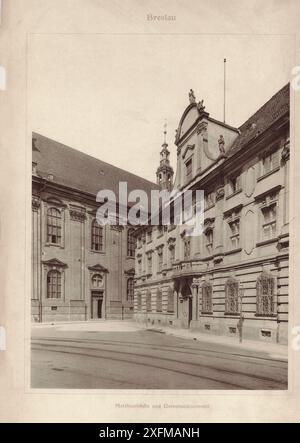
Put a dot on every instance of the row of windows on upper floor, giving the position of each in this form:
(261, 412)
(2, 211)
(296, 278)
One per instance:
(268, 217)
(269, 161)
(55, 226)
(234, 296)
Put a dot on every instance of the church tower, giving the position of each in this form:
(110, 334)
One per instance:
(164, 173)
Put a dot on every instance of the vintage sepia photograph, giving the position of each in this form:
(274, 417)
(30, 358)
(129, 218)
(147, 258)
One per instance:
(125, 292)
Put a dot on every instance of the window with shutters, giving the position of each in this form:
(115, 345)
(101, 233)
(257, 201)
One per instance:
(158, 301)
(265, 287)
(231, 296)
(207, 306)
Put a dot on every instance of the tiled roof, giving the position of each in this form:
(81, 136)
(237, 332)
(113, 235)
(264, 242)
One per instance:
(272, 110)
(74, 169)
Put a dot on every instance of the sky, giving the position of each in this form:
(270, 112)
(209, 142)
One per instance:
(108, 95)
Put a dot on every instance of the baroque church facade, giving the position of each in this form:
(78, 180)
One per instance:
(233, 278)
(80, 269)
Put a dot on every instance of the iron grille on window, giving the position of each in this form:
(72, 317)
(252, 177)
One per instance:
(54, 284)
(231, 296)
(97, 236)
(265, 295)
(158, 301)
(53, 226)
(206, 298)
(170, 300)
(148, 302)
(139, 301)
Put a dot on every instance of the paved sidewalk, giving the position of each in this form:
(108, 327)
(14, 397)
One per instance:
(273, 350)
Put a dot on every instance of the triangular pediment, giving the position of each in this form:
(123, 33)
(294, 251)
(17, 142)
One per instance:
(55, 262)
(98, 268)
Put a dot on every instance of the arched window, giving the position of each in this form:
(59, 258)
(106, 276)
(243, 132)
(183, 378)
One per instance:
(265, 294)
(130, 289)
(130, 243)
(54, 284)
(97, 281)
(139, 301)
(231, 296)
(54, 226)
(148, 302)
(207, 306)
(97, 236)
(158, 301)
(170, 300)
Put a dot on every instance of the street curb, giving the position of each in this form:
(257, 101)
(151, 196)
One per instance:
(271, 355)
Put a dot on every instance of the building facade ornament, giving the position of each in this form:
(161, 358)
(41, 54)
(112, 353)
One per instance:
(36, 203)
(221, 142)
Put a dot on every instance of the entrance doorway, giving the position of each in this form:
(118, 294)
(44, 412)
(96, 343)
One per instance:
(97, 304)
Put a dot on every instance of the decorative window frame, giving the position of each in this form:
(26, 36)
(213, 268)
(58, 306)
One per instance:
(207, 284)
(265, 201)
(270, 150)
(104, 234)
(170, 300)
(54, 265)
(273, 311)
(130, 232)
(148, 301)
(209, 225)
(234, 282)
(55, 203)
(231, 216)
(159, 301)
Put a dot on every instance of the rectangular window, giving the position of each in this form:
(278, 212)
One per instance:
(209, 241)
(140, 266)
(269, 222)
(234, 184)
(234, 227)
(187, 248)
(160, 260)
(149, 263)
(189, 168)
(270, 162)
(172, 254)
(209, 199)
(97, 236)
(149, 236)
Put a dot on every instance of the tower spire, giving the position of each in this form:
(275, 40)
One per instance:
(165, 171)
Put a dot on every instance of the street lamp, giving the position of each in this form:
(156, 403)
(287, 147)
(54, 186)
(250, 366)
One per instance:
(241, 319)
